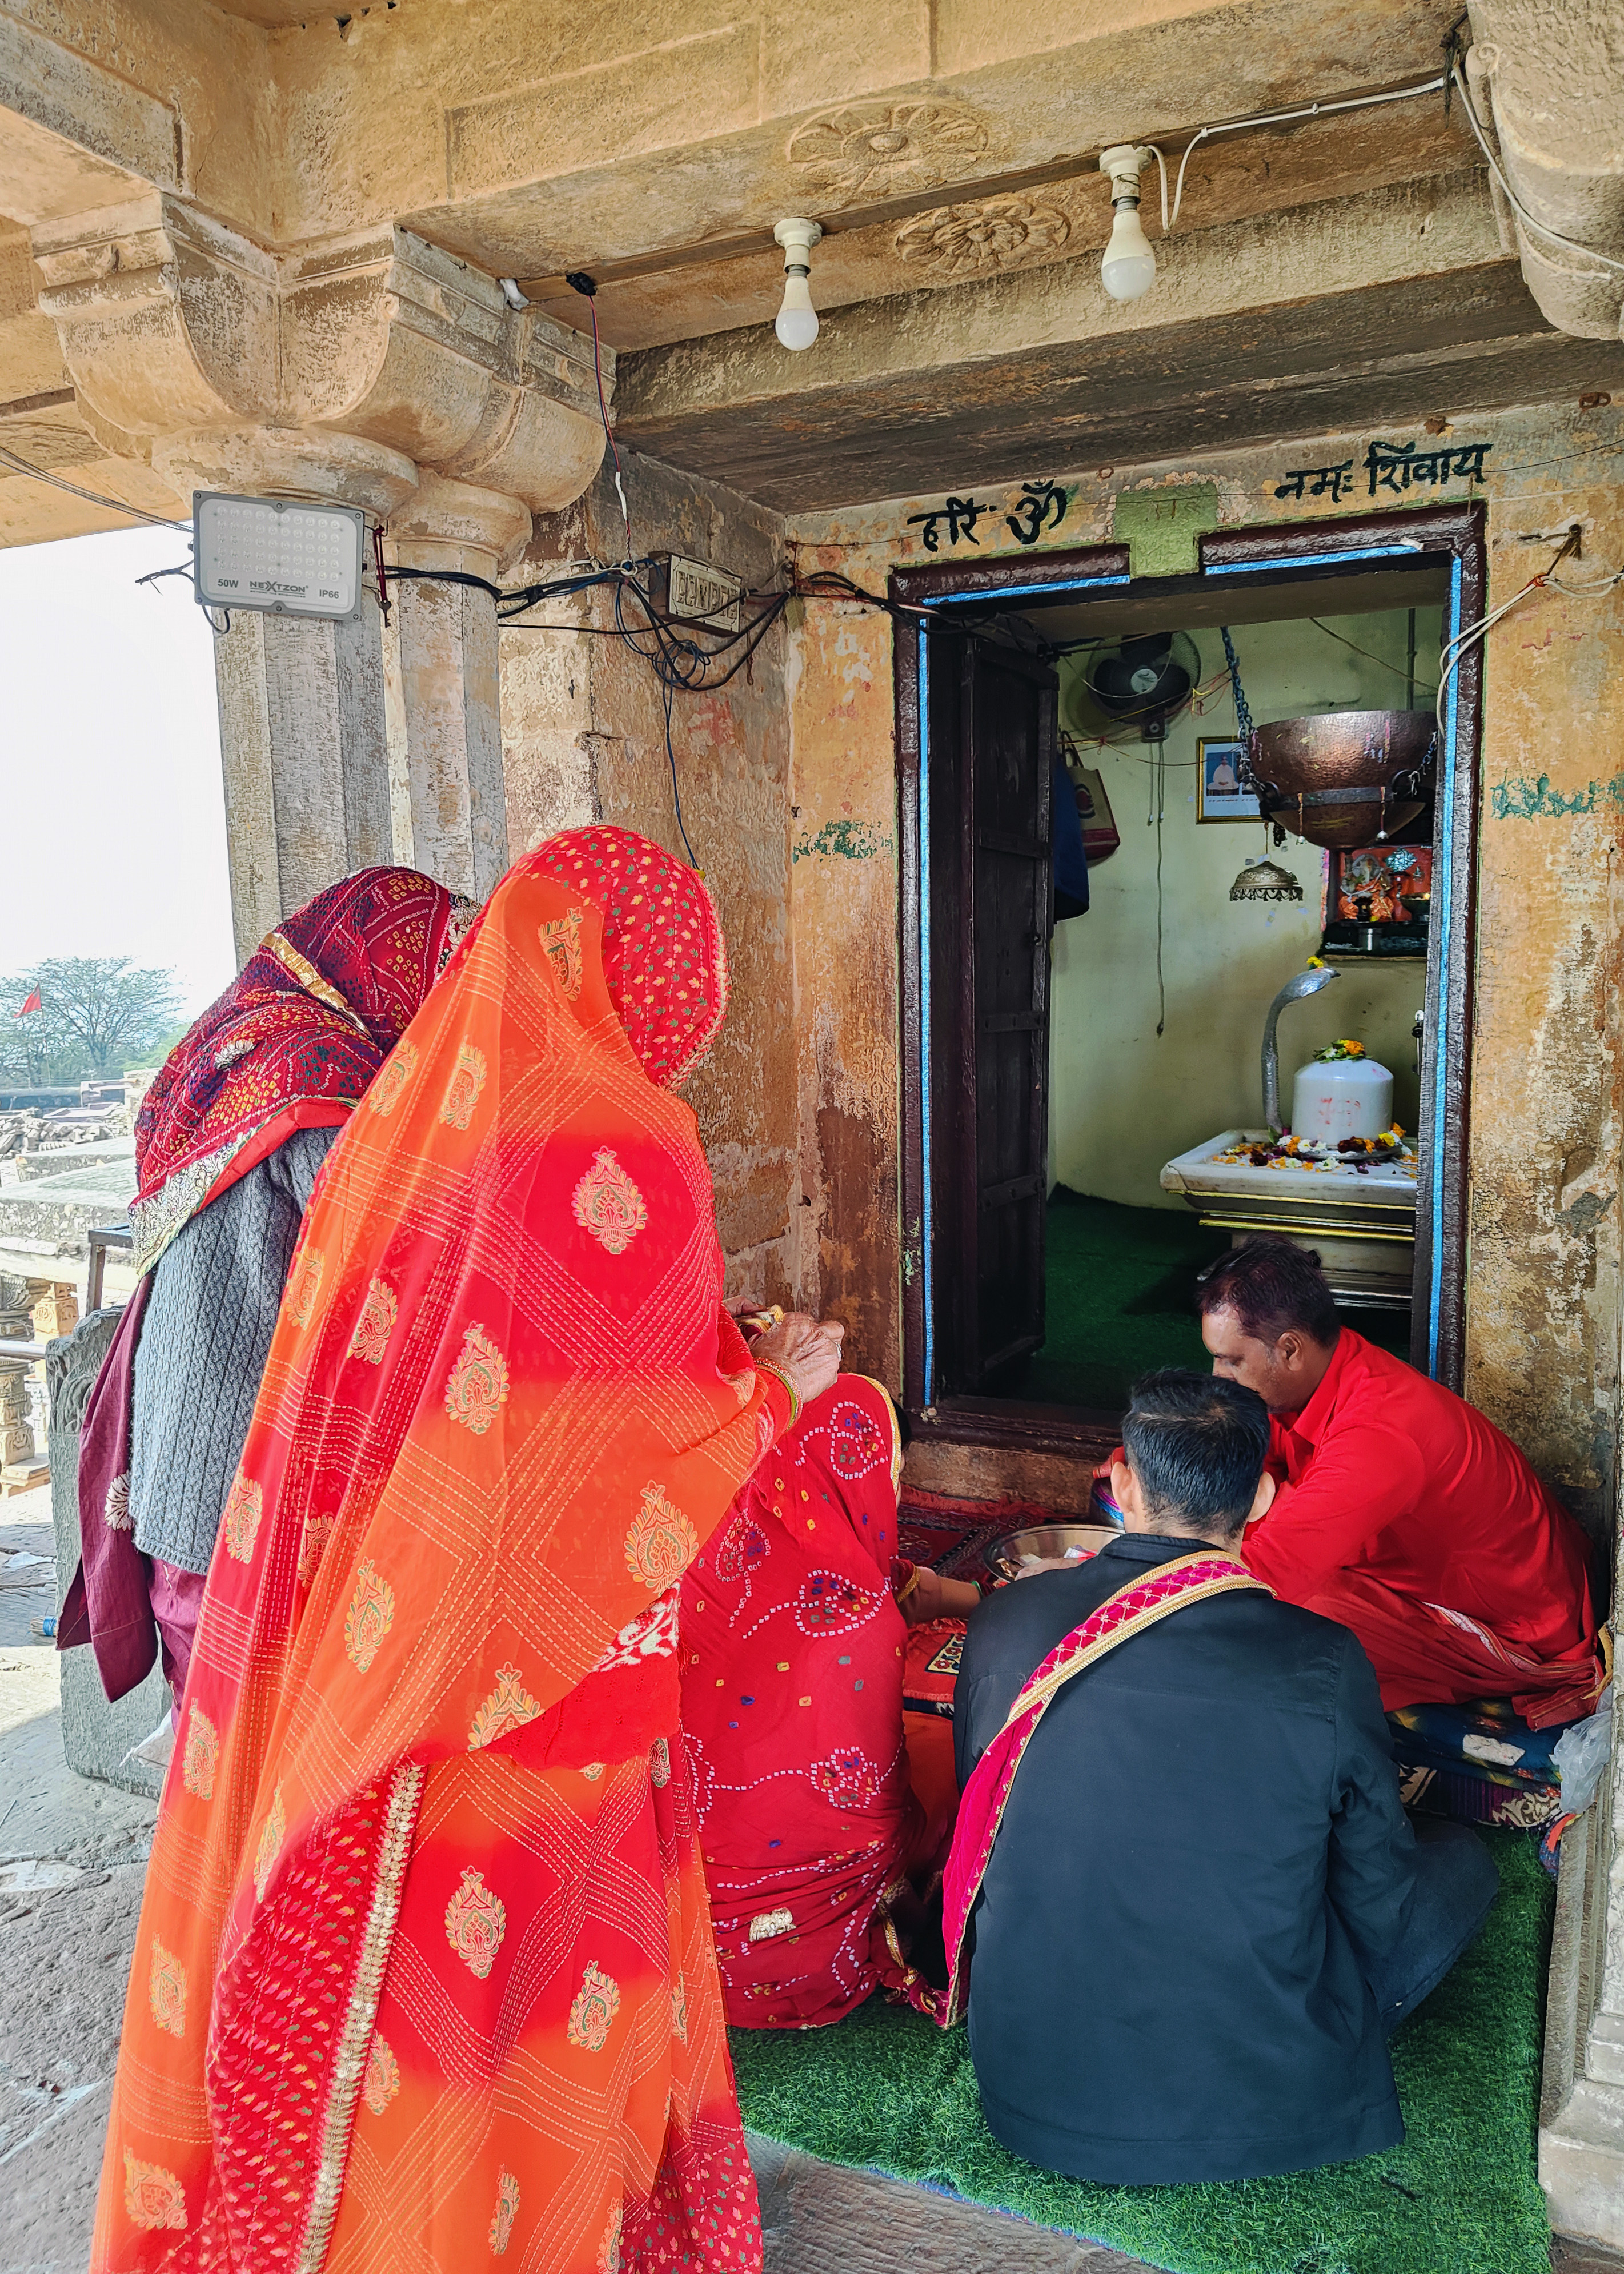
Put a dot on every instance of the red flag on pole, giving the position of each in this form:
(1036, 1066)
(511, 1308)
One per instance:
(33, 1003)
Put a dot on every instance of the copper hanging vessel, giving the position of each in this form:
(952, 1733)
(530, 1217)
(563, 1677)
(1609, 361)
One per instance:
(1349, 778)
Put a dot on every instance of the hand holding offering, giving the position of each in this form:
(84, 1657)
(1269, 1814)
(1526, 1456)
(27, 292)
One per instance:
(804, 1352)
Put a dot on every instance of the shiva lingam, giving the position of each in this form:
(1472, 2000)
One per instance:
(1329, 778)
(1353, 1201)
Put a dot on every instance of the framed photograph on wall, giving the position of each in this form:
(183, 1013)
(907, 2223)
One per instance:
(1220, 774)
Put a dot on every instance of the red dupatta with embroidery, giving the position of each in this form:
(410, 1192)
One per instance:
(291, 1043)
(1142, 1604)
(503, 1409)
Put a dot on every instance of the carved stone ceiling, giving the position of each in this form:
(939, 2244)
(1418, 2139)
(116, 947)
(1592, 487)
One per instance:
(990, 226)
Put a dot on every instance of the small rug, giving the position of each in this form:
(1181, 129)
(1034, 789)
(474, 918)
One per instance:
(950, 1534)
(886, 2090)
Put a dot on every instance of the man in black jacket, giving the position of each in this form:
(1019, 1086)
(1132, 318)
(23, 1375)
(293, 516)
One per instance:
(1205, 1910)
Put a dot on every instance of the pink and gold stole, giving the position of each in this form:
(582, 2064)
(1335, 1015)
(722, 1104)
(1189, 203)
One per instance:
(1170, 1587)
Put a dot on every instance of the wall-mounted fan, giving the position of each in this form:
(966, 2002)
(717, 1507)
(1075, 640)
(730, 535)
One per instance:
(1139, 684)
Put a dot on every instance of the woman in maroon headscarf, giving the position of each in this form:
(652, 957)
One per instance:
(228, 1143)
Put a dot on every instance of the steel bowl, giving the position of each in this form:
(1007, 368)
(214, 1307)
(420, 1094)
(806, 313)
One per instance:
(1348, 778)
(1003, 1558)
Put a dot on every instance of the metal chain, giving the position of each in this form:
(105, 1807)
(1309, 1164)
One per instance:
(1243, 709)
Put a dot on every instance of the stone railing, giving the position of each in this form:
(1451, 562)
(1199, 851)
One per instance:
(96, 1736)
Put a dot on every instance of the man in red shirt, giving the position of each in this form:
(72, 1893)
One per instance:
(1402, 1512)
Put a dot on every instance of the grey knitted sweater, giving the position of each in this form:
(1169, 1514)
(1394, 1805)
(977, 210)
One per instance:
(216, 1290)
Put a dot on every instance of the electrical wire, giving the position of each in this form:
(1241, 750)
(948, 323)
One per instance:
(1455, 650)
(580, 282)
(1277, 118)
(1370, 655)
(91, 497)
(1551, 235)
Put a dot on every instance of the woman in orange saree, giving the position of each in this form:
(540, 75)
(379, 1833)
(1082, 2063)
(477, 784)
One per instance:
(424, 1974)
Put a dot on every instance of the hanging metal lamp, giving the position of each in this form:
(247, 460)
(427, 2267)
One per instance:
(1266, 880)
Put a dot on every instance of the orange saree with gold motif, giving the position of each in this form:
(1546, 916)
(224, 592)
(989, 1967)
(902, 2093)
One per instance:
(424, 1974)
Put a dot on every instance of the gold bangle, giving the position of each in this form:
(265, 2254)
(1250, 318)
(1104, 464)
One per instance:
(784, 1383)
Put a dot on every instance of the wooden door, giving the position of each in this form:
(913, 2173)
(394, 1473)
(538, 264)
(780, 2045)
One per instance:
(1006, 729)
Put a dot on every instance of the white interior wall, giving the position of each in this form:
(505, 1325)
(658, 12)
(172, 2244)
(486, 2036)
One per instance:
(1123, 1101)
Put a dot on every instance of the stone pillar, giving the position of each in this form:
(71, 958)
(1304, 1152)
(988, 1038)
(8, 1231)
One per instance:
(301, 735)
(442, 684)
(17, 1446)
(345, 371)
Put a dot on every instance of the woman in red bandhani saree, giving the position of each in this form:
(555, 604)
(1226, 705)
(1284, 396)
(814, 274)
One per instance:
(425, 1974)
(794, 1642)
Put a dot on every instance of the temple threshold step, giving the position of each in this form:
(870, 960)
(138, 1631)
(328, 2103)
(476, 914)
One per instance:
(825, 2218)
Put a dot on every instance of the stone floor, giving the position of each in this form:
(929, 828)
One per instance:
(72, 1859)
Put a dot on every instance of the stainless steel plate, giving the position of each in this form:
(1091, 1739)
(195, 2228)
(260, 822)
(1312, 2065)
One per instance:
(1003, 1558)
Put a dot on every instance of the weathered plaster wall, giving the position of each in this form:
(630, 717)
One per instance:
(843, 896)
(584, 731)
(1543, 1319)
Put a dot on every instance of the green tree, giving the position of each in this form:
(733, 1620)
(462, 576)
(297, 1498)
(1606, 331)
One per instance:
(97, 1014)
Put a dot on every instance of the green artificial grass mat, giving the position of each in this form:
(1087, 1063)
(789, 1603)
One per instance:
(1120, 1288)
(885, 2091)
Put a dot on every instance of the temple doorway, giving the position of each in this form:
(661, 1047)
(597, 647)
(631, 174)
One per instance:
(1089, 1129)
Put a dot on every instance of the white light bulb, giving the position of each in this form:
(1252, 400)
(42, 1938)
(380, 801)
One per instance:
(1130, 266)
(796, 325)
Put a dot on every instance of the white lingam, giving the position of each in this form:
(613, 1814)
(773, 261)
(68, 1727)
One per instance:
(1335, 1098)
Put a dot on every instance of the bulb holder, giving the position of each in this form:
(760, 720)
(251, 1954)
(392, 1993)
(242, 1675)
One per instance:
(796, 323)
(1125, 162)
(797, 238)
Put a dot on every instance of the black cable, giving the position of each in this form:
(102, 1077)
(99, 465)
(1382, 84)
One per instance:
(668, 695)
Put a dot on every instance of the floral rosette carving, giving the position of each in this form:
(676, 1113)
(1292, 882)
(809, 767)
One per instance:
(995, 233)
(592, 2015)
(883, 148)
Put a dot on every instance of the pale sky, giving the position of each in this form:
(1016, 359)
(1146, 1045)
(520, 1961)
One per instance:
(112, 813)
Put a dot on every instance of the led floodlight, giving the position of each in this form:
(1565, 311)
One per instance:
(290, 559)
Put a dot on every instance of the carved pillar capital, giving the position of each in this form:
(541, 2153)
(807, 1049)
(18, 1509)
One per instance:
(173, 326)
(320, 463)
(446, 524)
